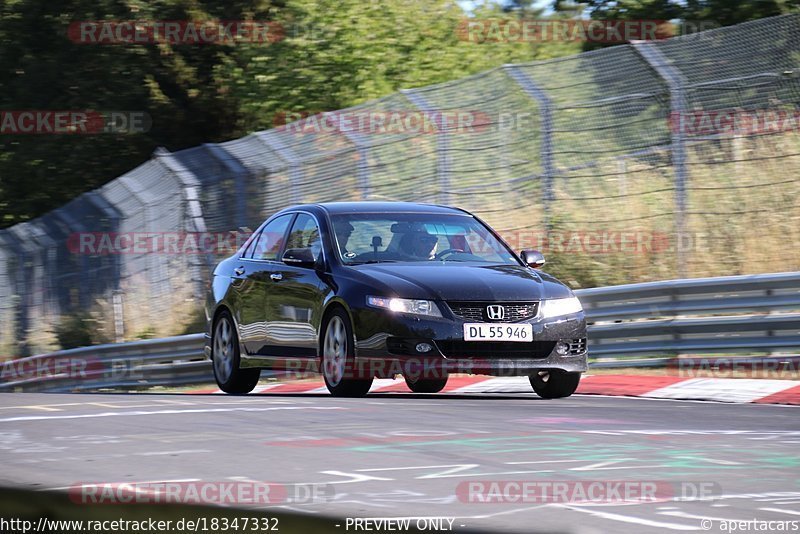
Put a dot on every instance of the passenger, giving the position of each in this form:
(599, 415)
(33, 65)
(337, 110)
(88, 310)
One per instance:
(419, 245)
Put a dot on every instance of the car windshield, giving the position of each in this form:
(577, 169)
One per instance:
(416, 237)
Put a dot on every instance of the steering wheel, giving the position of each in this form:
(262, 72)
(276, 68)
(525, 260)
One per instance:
(441, 254)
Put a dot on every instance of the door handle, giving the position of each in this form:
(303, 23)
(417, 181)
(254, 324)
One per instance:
(276, 276)
(239, 271)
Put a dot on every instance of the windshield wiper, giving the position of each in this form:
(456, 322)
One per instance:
(365, 262)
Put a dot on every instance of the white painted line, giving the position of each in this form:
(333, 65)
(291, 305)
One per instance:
(112, 484)
(629, 519)
(781, 511)
(265, 387)
(544, 462)
(164, 453)
(380, 383)
(684, 515)
(163, 412)
(506, 384)
(676, 400)
(739, 390)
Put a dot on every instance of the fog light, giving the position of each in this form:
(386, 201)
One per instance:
(423, 347)
(562, 349)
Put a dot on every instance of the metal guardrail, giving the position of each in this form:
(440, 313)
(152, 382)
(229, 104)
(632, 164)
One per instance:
(731, 314)
(169, 361)
(654, 322)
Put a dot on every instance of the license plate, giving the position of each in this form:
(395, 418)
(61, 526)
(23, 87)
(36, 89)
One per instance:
(498, 332)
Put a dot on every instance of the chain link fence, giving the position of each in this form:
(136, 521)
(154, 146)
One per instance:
(647, 161)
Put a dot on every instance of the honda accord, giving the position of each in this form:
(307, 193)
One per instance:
(364, 290)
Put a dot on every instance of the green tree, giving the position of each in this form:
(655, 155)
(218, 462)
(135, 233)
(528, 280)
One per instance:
(691, 15)
(42, 69)
(338, 53)
(335, 54)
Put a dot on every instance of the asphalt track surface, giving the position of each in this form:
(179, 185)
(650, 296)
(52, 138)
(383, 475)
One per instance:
(409, 456)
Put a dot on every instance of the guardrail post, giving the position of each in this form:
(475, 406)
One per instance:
(675, 82)
(442, 146)
(546, 151)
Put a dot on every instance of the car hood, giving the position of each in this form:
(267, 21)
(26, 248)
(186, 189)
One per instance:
(464, 282)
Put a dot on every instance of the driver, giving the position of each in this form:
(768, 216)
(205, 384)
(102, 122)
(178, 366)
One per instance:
(343, 232)
(420, 245)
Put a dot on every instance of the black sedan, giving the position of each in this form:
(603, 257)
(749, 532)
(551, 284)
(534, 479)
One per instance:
(364, 290)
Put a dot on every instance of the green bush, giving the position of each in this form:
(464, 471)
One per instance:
(74, 331)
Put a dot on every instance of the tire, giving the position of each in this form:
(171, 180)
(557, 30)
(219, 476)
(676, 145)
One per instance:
(426, 385)
(225, 359)
(554, 384)
(338, 357)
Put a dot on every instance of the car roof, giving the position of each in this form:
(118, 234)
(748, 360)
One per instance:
(389, 207)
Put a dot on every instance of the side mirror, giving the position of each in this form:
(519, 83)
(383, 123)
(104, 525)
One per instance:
(299, 257)
(532, 258)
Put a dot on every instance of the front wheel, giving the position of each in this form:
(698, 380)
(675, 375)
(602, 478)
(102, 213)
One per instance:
(338, 358)
(225, 359)
(426, 385)
(554, 384)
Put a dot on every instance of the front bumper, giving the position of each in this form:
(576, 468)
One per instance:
(386, 350)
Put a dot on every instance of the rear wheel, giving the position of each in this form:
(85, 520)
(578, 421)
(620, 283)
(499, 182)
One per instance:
(426, 385)
(225, 359)
(338, 358)
(554, 384)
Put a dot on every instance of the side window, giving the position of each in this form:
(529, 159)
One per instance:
(305, 234)
(270, 241)
(248, 252)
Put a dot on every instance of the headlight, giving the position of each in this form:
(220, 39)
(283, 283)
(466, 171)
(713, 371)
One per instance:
(417, 307)
(559, 307)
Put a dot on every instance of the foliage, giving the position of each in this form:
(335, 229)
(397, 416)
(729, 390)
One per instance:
(74, 331)
(689, 16)
(334, 54)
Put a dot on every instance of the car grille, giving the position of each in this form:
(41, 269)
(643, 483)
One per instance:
(577, 346)
(476, 311)
(495, 349)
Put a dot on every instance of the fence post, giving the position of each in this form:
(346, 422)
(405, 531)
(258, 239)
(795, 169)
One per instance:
(119, 319)
(15, 278)
(363, 151)
(240, 175)
(677, 103)
(442, 146)
(531, 89)
(292, 163)
(196, 223)
(76, 226)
